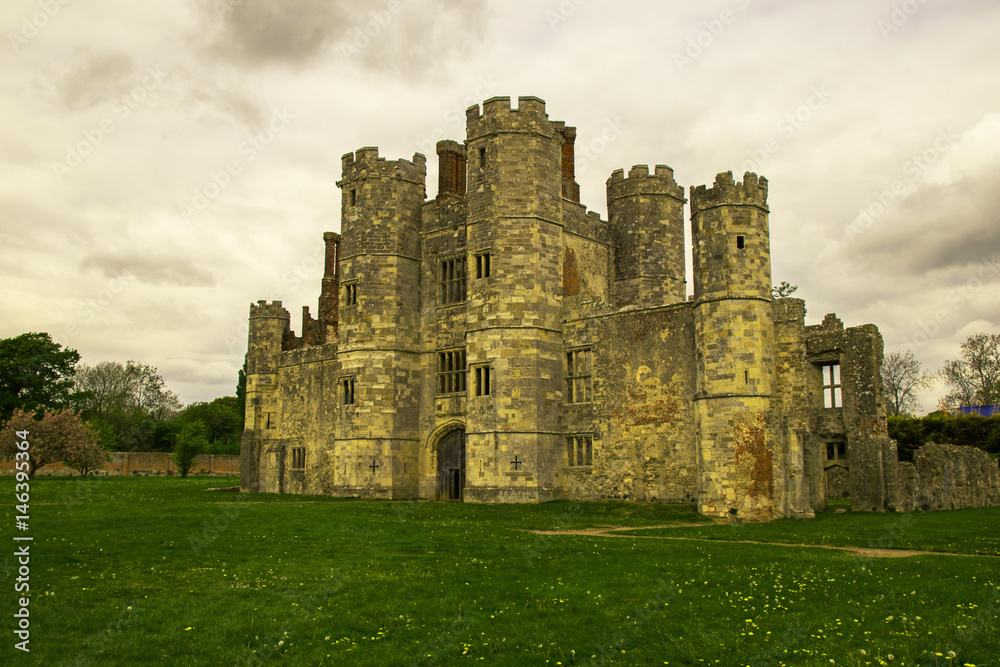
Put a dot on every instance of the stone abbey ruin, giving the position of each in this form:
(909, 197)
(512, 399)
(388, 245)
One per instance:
(500, 343)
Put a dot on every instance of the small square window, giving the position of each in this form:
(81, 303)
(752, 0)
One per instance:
(351, 294)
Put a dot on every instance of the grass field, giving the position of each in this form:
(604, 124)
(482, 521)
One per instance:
(134, 571)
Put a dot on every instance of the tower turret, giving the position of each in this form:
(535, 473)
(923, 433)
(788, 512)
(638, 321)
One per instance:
(379, 336)
(269, 325)
(734, 340)
(515, 201)
(646, 216)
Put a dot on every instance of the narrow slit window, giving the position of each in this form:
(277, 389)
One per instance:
(746, 377)
(482, 158)
(354, 197)
(347, 391)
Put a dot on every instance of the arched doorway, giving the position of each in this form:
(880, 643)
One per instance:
(451, 465)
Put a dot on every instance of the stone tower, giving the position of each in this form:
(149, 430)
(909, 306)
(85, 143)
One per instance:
(734, 342)
(513, 329)
(379, 335)
(646, 216)
(269, 326)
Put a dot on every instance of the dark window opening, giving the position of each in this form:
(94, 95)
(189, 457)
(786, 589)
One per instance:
(483, 381)
(746, 377)
(452, 280)
(354, 197)
(580, 450)
(740, 243)
(836, 451)
(451, 372)
(482, 265)
(298, 458)
(347, 391)
(351, 294)
(482, 158)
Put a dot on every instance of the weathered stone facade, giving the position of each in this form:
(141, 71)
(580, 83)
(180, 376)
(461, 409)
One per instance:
(501, 343)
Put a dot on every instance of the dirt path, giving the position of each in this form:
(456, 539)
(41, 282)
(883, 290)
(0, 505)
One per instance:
(611, 531)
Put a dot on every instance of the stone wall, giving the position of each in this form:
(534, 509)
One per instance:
(142, 464)
(949, 477)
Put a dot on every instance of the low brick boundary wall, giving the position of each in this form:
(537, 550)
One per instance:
(143, 464)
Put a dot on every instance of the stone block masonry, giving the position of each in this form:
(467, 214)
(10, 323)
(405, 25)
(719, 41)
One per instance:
(499, 343)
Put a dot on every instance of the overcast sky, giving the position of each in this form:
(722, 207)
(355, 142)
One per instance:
(166, 164)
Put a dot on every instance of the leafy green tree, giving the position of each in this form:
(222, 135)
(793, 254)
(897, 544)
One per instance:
(783, 290)
(902, 377)
(975, 378)
(58, 435)
(190, 442)
(222, 420)
(36, 374)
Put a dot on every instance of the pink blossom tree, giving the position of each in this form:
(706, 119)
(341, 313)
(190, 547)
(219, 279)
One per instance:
(58, 436)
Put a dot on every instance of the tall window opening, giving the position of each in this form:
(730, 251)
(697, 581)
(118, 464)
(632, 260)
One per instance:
(482, 381)
(580, 450)
(832, 397)
(579, 387)
(347, 391)
(452, 280)
(482, 265)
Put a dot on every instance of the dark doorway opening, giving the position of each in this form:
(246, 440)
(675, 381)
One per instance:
(451, 466)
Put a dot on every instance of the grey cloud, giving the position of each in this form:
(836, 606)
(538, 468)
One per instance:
(936, 228)
(394, 35)
(95, 76)
(150, 268)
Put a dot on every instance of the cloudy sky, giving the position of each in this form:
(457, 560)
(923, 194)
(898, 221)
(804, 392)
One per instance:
(166, 164)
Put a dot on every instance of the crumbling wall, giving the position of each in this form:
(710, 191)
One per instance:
(951, 477)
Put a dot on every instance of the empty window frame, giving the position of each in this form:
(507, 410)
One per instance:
(452, 280)
(298, 458)
(836, 451)
(451, 371)
(481, 384)
(580, 450)
(482, 260)
(579, 386)
(347, 390)
(351, 294)
(832, 397)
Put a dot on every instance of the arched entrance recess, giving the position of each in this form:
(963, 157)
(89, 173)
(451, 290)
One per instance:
(451, 465)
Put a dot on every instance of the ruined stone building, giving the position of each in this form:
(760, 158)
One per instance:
(500, 343)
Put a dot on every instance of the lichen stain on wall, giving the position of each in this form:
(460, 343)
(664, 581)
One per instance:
(753, 458)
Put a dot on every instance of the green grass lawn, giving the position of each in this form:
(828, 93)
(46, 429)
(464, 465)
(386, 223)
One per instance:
(134, 571)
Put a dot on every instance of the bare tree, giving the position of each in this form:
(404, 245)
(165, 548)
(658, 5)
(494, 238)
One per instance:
(902, 376)
(975, 378)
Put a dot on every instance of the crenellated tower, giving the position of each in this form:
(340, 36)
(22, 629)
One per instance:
(269, 327)
(734, 342)
(378, 268)
(515, 193)
(646, 216)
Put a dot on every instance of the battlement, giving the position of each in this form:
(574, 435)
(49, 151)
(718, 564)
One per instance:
(640, 182)
(263, 309)
(366, 163)
(497, 115)
(725, 191)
